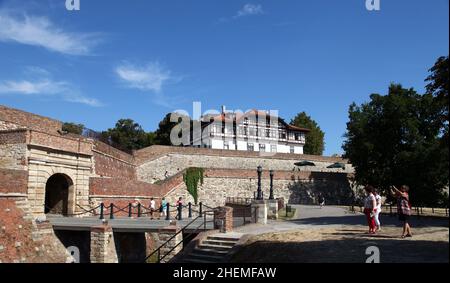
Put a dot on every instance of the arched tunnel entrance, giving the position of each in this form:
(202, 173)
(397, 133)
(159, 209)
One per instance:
(58, 189)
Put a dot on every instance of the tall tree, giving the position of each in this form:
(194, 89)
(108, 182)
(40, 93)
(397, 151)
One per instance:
(73, 128)
(438, 87)
(128, 135)
(315, 143)
(162, 134)
(394, 139)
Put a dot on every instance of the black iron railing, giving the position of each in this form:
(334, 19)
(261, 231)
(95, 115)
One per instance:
(199, 228)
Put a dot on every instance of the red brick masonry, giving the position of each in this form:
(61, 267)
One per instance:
(29, 120)
(13, 181)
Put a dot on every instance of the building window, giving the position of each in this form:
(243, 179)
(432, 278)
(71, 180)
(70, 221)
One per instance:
(267, 133)
(283, 135)
(250, 147)
(273, 148)
(226, 146)
(292, 149)
(262, 147)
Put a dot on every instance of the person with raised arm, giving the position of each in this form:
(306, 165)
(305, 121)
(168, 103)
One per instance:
(403, 208)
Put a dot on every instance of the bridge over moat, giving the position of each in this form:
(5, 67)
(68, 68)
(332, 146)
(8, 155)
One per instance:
(127, 225)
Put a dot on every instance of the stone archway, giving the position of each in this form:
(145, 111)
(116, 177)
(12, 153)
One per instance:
(58, 195)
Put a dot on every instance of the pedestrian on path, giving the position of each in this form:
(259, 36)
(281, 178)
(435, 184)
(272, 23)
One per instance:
(163, 208)
(370, 208)
(152, 207)
(403, 208)
(378, 209)
(321, 200)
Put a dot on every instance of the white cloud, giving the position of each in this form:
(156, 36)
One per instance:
(45, 86)
(249, 10)
(40, 31)
(246, 10)
(150, 77)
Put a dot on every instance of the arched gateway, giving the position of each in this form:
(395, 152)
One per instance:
(58, 193)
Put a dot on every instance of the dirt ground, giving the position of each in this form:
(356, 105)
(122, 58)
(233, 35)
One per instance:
(346, 244)
(322, 242)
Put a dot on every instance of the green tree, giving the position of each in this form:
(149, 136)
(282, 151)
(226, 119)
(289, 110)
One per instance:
(73, 128)
(128, 135)
(315, 143)
(394, 139)
(162, 134)
(438, 87)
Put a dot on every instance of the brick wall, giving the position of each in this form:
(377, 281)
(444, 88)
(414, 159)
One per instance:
(5, 126)
(111, 162)
(29, 120)
(108, 166)
(13, 181)
(62, 143)
(120, 187)
(111, 151)
(13, 136)
(21, 240)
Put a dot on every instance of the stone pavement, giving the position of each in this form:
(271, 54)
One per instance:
(314, 217)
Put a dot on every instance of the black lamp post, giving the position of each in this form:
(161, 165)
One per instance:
(259, 192)
(271, 185)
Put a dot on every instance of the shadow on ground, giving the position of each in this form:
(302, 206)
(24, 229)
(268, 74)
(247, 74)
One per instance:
(343, 251)
(360, 219)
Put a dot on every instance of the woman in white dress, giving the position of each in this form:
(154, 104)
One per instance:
(378, 210)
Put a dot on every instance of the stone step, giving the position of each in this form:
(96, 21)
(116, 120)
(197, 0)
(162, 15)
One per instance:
(214, 247)
(218, 243)
(212, 252)
(225, 239)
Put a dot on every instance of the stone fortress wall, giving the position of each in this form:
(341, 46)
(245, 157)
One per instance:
(33, 149)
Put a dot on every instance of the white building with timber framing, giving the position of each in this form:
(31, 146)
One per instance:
(254, 130)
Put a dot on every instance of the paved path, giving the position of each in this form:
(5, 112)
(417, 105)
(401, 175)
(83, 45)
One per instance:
(333, 234)
(314, 217)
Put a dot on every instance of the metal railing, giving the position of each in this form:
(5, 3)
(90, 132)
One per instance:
(138, 210)
(199, 228)
(239, 200)
(391, 209)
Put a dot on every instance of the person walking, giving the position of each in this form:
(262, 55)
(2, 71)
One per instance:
(163, 208)
(321, 200)
(180, 201)
(403, 208)
(377, 209)
(369, 208)
(152, 207)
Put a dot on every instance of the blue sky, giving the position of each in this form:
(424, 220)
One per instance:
(142, 59)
